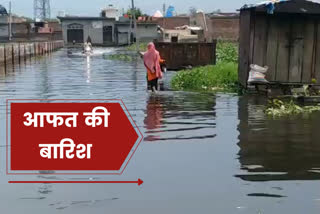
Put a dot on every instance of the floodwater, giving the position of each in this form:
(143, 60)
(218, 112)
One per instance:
(202, 153)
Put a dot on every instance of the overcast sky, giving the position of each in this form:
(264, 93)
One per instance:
(93, 7)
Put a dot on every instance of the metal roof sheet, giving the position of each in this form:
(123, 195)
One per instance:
(275, 2)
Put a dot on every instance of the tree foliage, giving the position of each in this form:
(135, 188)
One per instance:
(137, 12)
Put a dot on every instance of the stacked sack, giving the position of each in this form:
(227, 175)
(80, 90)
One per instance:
(257, 74)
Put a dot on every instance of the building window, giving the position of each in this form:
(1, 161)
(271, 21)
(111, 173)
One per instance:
(166, 36)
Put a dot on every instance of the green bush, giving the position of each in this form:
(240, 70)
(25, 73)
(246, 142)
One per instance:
(220, 77)
(121, 57)
(143, 47)
(227, 52)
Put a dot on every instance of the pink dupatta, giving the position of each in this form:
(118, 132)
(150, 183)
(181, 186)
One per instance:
(152, 60)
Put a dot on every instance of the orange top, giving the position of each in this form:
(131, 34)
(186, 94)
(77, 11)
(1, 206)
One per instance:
(152, 76)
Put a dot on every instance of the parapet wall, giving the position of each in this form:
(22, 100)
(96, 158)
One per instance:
(17, 52)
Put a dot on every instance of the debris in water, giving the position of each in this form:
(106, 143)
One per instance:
(278, 108)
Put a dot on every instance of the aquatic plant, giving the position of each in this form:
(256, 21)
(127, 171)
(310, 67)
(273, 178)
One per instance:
(142, 47)
(217, 78)
(121, 57)
(278, 108)
(227, 52)
(314, 81)
(220, 77)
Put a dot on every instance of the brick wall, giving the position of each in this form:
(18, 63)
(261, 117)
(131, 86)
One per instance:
(56, 26)
(219, 28)
(223, 28)
(173, 22)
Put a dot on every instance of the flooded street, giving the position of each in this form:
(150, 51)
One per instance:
(202, 153)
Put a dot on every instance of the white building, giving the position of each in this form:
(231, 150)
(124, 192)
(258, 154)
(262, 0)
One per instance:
(110, 12)
(105, 31)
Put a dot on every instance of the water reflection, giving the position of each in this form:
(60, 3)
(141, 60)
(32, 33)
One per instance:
(44, 85)
(277, 149)
(189, 157)
(88, 69)
(154, 116)
(172, 117)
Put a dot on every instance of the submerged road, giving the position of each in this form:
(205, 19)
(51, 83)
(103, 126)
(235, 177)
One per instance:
(201, 153)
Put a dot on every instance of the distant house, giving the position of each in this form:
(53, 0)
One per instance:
(147, 32)
(181, 34)
(104, 30)
(111, 12)
(78, 29)
(15, 19)
(171, 23)
(218, 26)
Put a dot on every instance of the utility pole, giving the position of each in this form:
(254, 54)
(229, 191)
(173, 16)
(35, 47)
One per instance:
(133, 10)
(10, 22)
(164, 9)
(130, 31)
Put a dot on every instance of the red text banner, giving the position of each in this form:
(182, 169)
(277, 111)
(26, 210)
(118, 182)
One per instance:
(70, 137)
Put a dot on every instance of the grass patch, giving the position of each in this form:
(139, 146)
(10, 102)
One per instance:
(278, 108)
(120, 57)
(129, 56)
(142, 47)
(222, 77)
(217, 78)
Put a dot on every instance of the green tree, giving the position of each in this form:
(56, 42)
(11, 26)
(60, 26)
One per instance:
(137, 12)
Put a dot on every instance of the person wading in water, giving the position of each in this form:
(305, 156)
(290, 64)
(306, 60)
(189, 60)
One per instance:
(152, 62)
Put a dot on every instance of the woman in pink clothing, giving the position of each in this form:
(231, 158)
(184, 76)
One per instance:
(152, 63)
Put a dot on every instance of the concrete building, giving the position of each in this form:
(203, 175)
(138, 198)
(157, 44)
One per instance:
(181, 34)
(15, 19)
(110, 12)
(147, 32)
(105, 31)
(78, 29)
(28, 32)
(173, 22)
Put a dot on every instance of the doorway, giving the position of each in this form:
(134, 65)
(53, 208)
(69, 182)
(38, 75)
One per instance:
(107, 34)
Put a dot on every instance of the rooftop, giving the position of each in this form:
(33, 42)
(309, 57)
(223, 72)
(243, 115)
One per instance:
(222, 15)
(285, 6)
(139, 23)
(85, 18)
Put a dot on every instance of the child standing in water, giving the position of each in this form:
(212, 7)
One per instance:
(152, 63)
